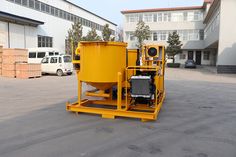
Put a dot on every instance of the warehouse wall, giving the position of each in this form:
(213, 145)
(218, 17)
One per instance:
(227, 40)
(4, 34)
(17, 36)
(53, 26)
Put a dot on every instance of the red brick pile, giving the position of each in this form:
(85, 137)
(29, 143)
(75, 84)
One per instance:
(14, 64)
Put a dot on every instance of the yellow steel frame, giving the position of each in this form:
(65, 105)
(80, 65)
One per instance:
(121, 108)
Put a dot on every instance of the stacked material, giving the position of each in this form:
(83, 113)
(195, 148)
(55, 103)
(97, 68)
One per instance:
(9, 59)
(0, 60)
(27, 70)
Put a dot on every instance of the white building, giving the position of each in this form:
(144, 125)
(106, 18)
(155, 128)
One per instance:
(44, 23)
(207, 32)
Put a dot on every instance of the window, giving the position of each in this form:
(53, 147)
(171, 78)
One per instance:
(43, 7)
(47, 42)
(159, 17)
(140, 17)
(32, 55)
(56, 12)
(155, 37)
(64, 14)
(45, 60)
(163, 35)
(177, 16)
(52, 10)
(201, 34)
(60, 60)
(190, 55)
(197, 16)
(182, 56)
(185, 16)
(155, 18)
(147, 17)
(47, 9)
(44, 41)
(37, 5)
(56, 53)
(53, 60)
(80, 20)
(51, 53)
(190, 16)
(185, 35)
(193, 34)
(67, 59)
(165, 17)
(132, 18)
(25, 2)
(18, 1)
(72, 17)
(68, 16)
(41, 54)
(206, 55)
(31, 3)
(169, 16)
(132, 37)
(61, 14)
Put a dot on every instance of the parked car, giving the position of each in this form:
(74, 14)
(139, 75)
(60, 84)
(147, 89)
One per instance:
(190, 64)
(57, 64)
(37, 54)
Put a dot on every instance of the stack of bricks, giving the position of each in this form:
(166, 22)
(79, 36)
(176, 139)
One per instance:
(27, 70)
(0, 60)
(15, 64)
(9, 59)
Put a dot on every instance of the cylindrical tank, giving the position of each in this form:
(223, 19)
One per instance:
(132, 57)
(100, 63)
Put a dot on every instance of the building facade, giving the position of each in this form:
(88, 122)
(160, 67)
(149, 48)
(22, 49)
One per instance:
(43, 23)
(204, 31)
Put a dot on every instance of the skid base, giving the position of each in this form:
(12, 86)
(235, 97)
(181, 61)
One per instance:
(108, 109)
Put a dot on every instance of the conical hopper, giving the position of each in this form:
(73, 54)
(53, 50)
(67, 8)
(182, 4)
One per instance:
(101, 86)
(100, 63)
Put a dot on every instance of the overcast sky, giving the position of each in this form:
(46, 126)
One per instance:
(110, 9)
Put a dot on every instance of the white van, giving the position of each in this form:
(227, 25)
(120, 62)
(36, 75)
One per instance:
(58, 64)
(37, 54)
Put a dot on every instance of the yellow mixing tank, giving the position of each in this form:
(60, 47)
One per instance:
(100, 63)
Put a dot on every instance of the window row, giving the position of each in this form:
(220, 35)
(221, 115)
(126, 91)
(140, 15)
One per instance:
(165, 16)
(43, 7)
(41, 54)
(44, 41)
(213, 25)
(185, 35)
(206, 55)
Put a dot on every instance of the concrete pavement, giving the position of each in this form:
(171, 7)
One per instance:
(198, 119)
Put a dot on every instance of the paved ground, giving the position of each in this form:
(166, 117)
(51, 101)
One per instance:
(198, 119)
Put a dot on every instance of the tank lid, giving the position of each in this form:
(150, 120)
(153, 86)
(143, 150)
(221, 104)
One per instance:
(103, 43)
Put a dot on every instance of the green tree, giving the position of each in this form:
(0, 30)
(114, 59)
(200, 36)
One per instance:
(74, 36)
(174, 46)
(106, 33)
(92, 36)
(142, 33)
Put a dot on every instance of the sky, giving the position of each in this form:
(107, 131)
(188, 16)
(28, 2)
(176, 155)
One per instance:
(110, 9)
